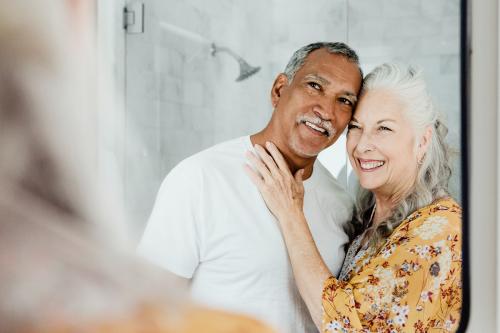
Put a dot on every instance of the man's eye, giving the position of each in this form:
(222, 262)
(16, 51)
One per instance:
(345, 101)
(314, 85)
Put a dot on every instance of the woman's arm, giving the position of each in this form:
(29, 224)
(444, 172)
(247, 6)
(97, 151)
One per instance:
(284, 195)
(412, 284)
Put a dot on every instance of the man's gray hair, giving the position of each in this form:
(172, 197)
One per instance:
(299, 57)
(434, 170)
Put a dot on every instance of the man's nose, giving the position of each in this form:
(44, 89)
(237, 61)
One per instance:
(325, 110)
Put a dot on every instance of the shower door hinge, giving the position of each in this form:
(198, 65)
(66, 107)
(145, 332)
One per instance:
(133, 17)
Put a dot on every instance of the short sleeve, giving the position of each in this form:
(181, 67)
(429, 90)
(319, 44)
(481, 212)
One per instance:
(171, 239)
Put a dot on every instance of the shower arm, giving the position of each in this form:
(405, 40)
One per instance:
(221, 49)
(245, 69)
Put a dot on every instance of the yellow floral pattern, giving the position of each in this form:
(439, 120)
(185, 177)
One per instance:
(411, 284)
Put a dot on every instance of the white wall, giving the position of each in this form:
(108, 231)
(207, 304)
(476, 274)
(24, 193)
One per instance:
(181, 100)
(422, 33)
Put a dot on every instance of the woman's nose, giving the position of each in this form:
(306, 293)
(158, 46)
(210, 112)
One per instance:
(365, 143)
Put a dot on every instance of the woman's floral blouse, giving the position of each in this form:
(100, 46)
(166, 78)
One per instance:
(411, 284)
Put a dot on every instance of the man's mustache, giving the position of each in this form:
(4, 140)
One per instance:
(317, 121)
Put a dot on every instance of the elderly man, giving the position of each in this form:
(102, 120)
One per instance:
(210, 224)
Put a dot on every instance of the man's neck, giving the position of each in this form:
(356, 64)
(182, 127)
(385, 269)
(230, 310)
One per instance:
(294, 162)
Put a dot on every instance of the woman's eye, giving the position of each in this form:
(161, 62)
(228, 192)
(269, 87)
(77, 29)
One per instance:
(314, 85)
(383, 128)
(352, 126)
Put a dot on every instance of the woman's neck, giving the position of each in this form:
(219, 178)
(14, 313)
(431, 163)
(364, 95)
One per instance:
(383, 209)
(386, 201)
(385, 205)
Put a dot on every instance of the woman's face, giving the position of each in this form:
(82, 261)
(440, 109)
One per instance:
(381, 144)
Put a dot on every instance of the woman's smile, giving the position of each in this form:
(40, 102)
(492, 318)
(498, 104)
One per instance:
(370, 165)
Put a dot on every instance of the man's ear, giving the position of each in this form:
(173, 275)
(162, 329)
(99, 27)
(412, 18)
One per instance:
(425, 140)
(280, 82)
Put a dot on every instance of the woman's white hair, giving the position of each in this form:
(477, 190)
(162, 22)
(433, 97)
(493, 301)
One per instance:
(434, 169)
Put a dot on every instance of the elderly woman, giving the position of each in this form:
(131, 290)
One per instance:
(402, 271)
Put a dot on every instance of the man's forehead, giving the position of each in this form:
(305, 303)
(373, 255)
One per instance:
(338, 64)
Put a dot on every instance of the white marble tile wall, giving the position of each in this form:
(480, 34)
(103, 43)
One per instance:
(424, 33)
(180, 99)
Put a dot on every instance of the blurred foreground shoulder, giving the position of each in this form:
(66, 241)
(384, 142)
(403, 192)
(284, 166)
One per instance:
(155, 319)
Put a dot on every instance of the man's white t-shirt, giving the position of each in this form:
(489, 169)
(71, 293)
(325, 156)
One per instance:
(210, 223)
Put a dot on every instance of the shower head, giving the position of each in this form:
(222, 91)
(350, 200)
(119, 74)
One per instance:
(245, 69)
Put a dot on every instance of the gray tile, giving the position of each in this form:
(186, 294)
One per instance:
(173, 115)
(450, 64)
(170, 88)
(451, 27)
(437, 45)
(401, 8)
(141, 84)
(365, 9)
(440, 8)
(143, 112)
(413, 27)
(366, 29)
(201, 119)
(194, 92)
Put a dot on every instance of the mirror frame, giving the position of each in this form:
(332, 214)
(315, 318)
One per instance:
(465, 69)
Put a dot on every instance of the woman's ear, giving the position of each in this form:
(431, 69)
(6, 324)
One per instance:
(276, 91)
(425, 140)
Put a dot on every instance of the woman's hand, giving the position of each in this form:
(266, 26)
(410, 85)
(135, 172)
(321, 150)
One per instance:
(282, 191)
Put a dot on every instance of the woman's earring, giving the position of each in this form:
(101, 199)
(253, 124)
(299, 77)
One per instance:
(421, 160)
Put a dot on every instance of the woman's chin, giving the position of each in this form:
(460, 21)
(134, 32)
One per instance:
(369, 185)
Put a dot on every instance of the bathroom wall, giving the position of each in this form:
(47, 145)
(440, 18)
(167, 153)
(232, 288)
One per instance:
(423, 33)
(180, 99)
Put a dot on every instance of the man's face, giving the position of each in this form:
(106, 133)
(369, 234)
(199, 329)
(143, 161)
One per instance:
(313, 110)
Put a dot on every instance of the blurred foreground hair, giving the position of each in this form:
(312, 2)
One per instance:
(64, 263)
